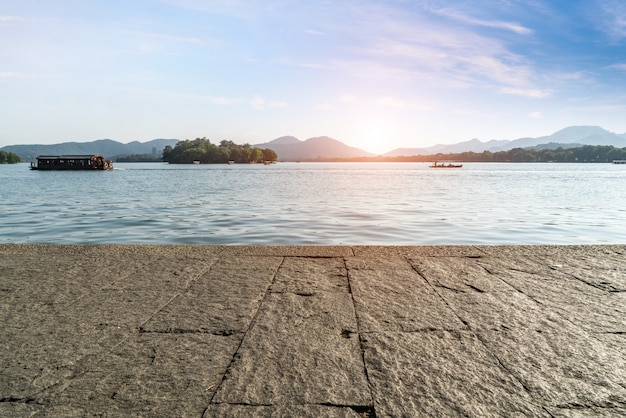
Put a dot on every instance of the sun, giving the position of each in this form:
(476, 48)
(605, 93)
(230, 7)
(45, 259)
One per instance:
(376, 136)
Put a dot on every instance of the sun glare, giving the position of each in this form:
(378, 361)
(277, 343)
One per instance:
(377, 136)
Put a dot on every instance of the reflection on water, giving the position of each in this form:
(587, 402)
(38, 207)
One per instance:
(316, 204)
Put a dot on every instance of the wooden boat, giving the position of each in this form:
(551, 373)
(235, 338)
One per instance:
(71, 162)
(442, 165)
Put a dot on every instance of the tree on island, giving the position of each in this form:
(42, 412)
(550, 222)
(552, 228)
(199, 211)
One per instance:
(9, 158)
(202, 150)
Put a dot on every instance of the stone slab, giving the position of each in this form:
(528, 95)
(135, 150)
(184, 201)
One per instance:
(390, 295)
(441, 373)
(300, 350)
(150, 374)
(461, 274)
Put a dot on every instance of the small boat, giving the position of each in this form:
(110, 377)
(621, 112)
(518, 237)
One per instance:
(71, 162)
(231, 162)
(442, 165)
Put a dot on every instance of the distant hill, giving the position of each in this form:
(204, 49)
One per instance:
(290, 148)
(473, 145)
(570, 137)
(107, 147)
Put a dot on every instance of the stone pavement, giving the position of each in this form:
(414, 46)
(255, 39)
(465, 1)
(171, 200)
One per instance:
(218, 331)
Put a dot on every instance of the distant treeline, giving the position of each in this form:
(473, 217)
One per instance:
(8, 158)
(584, 154)
(201, 149)
(138, 158)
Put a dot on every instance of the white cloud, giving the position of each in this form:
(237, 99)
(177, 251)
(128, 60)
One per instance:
(10, 74)
(619, 67)
(535, 115)
(530, 93)
(510, 26)
(260, 103)
(11, 19)
(612, 18)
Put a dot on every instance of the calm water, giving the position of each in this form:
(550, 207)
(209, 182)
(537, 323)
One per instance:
(316, 204)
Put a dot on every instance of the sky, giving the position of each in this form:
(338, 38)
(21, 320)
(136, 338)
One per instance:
(374, 74)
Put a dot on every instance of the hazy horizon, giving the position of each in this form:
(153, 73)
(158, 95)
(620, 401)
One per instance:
(375, 75)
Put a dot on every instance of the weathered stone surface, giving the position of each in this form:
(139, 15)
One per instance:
(391, 296)
(556, 361)
(587, 412)
(300, 350)
(461, 274)
(224, 300)
(286, 411)
(311, 275)
(423, 251)
(289, 251)
(589, 307)
(41, 358)
(151, 374)
(440, 373)
(604, 270)
(175, 330)
(561, 368)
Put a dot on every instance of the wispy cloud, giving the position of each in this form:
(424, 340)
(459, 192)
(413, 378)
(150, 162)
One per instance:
(619, 67)
(314, 32)
(459, 17)
(260, 103)
(12, 19)
(10, 74)
(535, 115)
(610, 18)
(530, 93)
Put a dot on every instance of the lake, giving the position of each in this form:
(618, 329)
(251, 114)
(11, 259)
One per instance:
(316, 204)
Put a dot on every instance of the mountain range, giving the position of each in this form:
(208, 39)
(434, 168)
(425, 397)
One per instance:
(107, 147)
(570, 137)
(290, 148)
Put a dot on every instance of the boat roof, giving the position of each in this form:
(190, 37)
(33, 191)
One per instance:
(69, 156)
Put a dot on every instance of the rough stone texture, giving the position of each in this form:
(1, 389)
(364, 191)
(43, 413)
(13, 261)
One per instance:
(153, 374)
(302, 348)
(203, 331)
(391, 296)
(286, 411)
(441, 373)
(223, 301)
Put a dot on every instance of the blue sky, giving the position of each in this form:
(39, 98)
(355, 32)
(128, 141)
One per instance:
(377, 75)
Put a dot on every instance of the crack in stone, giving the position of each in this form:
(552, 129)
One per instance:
(366, 411)
(219, 333)
(371, 412)
(236, 354)
(477, 335)
(440, 285)
(475, 288)
(12, 399)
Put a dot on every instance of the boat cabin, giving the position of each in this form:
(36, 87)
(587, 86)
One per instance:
(71, 162)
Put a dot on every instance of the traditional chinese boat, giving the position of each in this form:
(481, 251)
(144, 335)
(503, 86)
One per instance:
(71, 162)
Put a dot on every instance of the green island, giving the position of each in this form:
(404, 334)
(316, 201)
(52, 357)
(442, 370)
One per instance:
(9, 158)
(204, 152)
(583, 154)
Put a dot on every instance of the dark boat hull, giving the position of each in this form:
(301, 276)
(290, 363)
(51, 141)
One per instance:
(71, 163)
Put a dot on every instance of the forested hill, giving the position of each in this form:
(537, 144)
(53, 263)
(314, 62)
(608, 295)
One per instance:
(201, 150)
